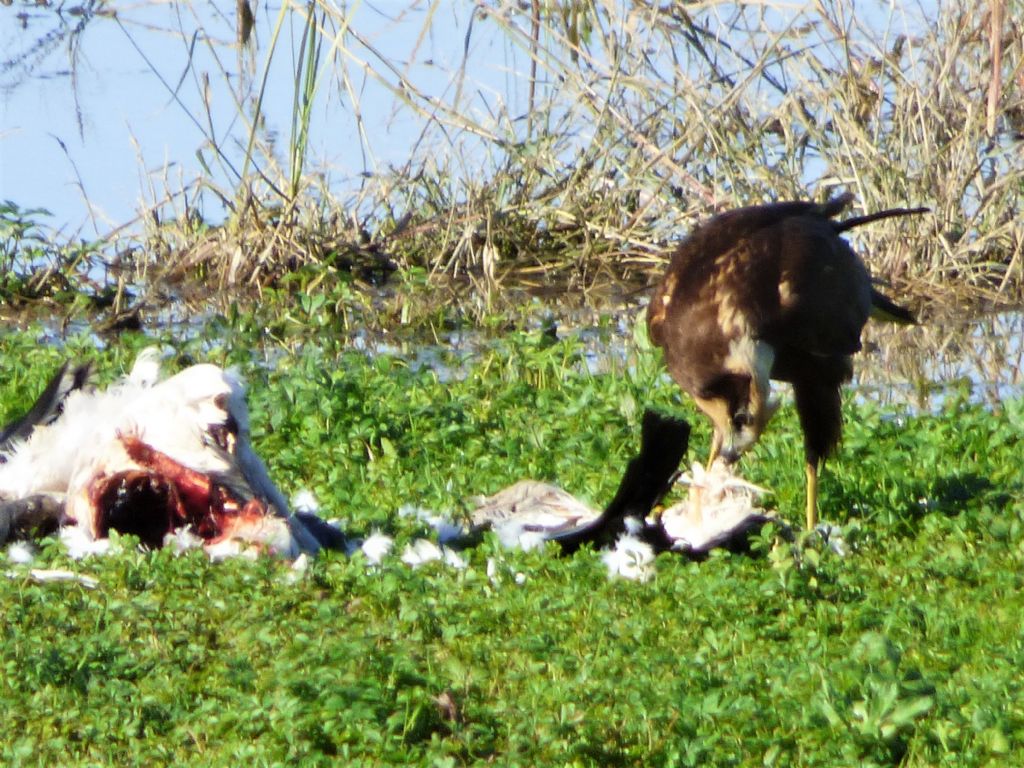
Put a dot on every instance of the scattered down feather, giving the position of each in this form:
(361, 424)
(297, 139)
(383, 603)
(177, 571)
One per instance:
(170, 461)
(631, 558)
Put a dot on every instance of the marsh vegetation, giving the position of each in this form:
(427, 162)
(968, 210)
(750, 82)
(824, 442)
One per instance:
(423, 331)
(903, 652)
(566, 143)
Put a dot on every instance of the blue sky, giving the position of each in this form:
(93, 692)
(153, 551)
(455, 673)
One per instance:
(99, 149)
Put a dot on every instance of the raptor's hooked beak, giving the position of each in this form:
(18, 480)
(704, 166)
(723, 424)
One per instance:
(729, 454)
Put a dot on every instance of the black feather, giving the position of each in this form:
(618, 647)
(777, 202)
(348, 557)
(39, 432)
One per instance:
(48, 406)
(648, 477)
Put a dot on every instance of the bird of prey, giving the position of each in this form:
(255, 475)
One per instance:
(769, 292)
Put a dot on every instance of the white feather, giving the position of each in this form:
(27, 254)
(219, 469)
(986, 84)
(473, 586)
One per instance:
(305, 501)
(447, 530)
(182, 540)
(421, 551)
(46, 575)
(631, 558)
(377, 547)
(298, 569)
(515, 534)
(20, 553)
(80, 545)
(146, 370)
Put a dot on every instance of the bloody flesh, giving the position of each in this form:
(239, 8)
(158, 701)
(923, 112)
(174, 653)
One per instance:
(164, 495)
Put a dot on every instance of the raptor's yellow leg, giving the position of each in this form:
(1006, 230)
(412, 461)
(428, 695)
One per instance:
(812, 495)
(716, 447)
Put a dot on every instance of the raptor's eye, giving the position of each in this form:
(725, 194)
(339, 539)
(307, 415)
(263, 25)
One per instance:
(742, 420)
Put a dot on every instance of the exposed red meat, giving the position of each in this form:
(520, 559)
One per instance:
(164, 495)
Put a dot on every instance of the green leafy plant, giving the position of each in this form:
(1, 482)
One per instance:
(904, 652)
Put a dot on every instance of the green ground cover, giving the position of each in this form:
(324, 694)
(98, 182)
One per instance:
(905, 652)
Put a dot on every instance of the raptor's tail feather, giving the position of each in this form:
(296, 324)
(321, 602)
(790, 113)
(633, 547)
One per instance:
(884, 308)
(857, 221)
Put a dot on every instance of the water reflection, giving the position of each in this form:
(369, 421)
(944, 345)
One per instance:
(918, 367)
(977, 358)
(921, 366)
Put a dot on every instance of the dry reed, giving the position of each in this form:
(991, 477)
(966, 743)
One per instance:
(622, 124)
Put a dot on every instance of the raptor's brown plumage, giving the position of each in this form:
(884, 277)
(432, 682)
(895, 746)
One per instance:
(768, 292)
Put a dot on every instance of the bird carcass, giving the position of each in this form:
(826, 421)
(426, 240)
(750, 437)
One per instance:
(146, 456)
(719, 511)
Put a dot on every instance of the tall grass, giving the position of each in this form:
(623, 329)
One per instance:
(614, 129)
